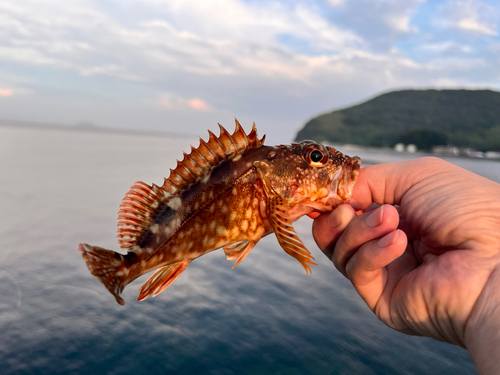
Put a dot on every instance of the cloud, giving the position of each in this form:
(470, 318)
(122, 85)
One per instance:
(397, 15)
(471, 23)
(379, 23)
(5, 92)
(198, 104)
(448, 46)
(336, 3)
(400, 22)
(470, 16)
(172, 101)
(221, 38)
(109, 70)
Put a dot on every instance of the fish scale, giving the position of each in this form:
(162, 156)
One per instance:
(228, 193)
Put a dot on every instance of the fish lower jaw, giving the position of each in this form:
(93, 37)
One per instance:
(306, 206)
(298, 211)
(302, 205)
(327, 204)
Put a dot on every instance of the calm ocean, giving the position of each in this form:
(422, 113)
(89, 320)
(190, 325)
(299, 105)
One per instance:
(62, 187)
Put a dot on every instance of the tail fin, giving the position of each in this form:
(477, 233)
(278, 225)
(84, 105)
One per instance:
(108, 266)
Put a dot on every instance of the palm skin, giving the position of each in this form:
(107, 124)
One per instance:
(429, 266)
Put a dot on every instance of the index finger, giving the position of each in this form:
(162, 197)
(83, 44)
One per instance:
(328, 227)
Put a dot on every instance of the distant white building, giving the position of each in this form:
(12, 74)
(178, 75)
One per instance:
(411, 148)
(492, 154)
(446, 150)
(471, 153)
(399, 147)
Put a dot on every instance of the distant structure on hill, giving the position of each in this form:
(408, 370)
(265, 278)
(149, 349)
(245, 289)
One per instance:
(426, 118)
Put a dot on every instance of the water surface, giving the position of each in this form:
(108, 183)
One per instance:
(59, 188)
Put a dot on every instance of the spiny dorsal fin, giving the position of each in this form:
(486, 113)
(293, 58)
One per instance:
(143, 203)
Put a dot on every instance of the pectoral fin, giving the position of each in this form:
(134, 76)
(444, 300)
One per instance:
(162, 279)
(238, 250)
(286, 235)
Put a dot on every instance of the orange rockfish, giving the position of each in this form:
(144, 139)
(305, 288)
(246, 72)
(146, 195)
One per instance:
(229, 192)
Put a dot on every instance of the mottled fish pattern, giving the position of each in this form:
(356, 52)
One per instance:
(228, 193)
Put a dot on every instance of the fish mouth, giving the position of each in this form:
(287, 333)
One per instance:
(348, 178)
(341, 187)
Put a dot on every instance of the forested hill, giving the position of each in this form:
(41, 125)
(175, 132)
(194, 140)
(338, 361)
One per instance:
(463, 118)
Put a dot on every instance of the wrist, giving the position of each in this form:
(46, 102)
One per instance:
(482, 330)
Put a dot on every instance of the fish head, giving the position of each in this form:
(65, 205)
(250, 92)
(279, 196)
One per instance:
(309, 176)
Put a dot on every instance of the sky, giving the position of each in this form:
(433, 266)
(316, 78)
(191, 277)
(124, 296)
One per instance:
(184, 65)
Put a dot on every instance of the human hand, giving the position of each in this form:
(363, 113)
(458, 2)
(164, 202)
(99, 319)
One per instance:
(430, 268)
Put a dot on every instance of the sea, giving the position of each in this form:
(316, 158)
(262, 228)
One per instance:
(61, 187)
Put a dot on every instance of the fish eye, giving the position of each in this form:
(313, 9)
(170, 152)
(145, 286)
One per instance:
(315, 156)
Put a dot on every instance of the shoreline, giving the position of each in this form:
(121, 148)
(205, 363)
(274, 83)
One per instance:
(84, 127)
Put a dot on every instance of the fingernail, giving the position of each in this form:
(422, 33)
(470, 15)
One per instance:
(388, 239)
(333, 220)
(375, 218)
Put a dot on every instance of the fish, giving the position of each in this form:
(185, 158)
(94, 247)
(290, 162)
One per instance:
(229, 192)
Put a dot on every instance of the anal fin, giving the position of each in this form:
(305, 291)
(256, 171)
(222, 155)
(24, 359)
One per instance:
(286, 235)
(238, 250)
(162, 279)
